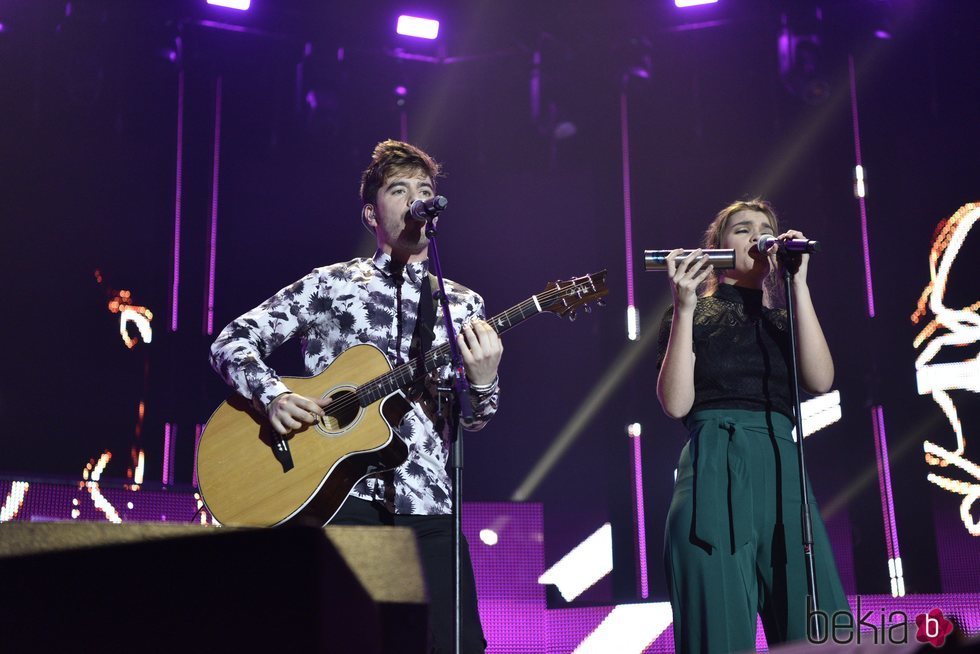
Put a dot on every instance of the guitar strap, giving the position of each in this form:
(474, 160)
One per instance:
(422, 338)
(424, 332)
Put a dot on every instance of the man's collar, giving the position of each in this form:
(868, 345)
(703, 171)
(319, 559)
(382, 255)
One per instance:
(414, 271)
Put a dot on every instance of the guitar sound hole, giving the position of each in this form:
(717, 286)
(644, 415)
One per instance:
(341, 411)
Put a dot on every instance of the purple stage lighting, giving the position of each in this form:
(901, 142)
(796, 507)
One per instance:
(423, 28)
(693, 3)
(232, 4)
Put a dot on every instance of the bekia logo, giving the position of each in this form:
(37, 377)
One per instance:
(892, 627)
(933, 627)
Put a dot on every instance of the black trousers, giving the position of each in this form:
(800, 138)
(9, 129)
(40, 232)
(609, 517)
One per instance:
(434, 535)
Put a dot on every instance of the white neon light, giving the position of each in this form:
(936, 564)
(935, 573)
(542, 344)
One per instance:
(628, 629)
(422, 28)
(970, 491)
(587, 563)
(956, 375)
(632, 323)
(489, 537)
(860, 190)
(634, 430)
(14, 500)
(693, 3)
(819, 412)
(241, 5)
(142, 325)
(140, 469)
(897, 578)
(960, 327)
(91, 474)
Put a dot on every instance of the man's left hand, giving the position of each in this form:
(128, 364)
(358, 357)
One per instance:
(481, 348)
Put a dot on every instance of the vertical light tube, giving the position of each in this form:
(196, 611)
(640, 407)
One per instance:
(632, 318)
(860, 188)
(178, 199)
(198, 430)
(169, 439)
(887, 503)
(216, 166)
(639, 522)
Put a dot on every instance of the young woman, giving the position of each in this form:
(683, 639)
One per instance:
(733, 539)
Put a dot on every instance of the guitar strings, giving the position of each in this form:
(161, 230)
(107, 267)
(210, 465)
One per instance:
(432, 355)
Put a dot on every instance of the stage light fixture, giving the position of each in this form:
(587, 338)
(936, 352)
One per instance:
(693, 3)
(241, 5)
(801, 65)
(421, 28)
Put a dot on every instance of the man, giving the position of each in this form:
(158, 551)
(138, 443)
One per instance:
(377, 301)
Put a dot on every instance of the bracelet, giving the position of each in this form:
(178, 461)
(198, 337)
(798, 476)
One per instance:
(484, 389)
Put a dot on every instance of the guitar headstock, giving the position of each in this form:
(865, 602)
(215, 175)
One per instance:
(565, 297)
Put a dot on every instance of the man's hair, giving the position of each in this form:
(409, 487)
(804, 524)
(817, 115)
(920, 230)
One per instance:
(391, 157)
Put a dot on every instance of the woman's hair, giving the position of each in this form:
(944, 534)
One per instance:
(712, 240)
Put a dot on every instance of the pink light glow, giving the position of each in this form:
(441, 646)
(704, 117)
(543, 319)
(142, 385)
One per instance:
(861, 203)
(241, 5)
(214, 204)
(422, 28)
(169, 436)
(632, 326)
(198, 429)
(693, 3)
(640, 517)
(888, 481)
(887, 499)
(178, 197)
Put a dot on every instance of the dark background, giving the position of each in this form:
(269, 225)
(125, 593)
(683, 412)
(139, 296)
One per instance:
(88, 133)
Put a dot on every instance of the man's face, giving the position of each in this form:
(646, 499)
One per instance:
(395, 230)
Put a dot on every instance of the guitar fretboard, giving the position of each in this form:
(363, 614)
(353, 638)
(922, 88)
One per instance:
(410, 372)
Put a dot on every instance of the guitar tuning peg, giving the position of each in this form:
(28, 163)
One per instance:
(572, 316)
(601, 302)
(588, 308)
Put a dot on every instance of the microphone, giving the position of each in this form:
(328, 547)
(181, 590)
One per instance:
(657, 259)
(767, 243)
(426, 210)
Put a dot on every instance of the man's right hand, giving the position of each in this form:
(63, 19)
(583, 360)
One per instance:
(290, 412)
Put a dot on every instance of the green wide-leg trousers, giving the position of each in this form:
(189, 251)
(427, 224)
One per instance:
(733, 539)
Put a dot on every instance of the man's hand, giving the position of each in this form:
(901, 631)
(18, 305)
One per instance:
(481, 348)
(290, 412)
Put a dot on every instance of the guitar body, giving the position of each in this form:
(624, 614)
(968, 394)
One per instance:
(244, 484)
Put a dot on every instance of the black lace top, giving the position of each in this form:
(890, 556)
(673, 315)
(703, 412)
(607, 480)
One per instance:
(741, 351)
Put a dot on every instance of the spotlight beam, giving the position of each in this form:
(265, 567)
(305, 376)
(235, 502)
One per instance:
(611, 380)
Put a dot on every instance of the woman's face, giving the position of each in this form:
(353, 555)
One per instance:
(741, 234)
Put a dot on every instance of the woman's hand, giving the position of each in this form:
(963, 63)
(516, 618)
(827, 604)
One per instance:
(799, 278)
(685, 277)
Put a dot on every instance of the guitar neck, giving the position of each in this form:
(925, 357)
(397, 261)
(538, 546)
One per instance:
(410, 372)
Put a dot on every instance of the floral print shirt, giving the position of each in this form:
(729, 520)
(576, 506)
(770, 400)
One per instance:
(345, 304)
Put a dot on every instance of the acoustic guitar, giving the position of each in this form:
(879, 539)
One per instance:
(249, 475)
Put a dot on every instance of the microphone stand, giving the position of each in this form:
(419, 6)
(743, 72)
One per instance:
(790, 265)
(463, 409)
